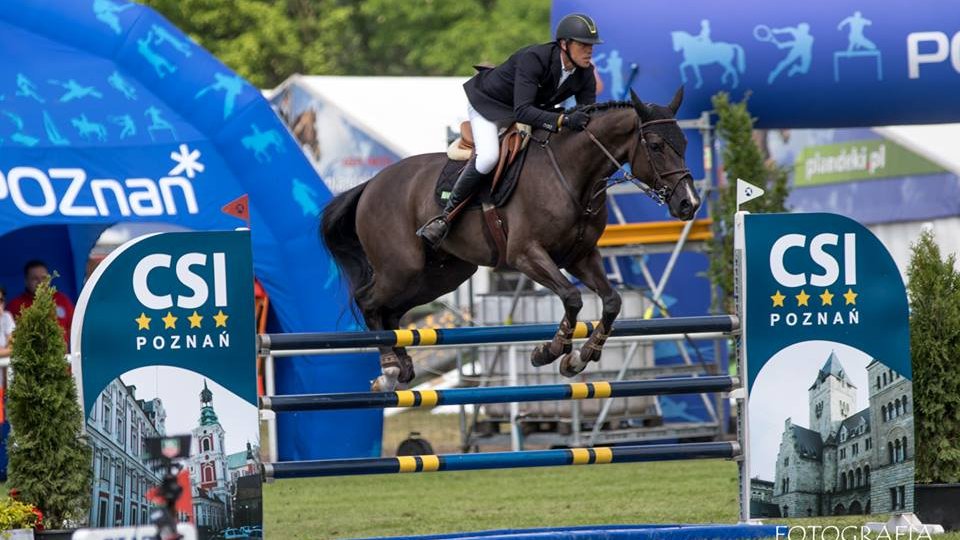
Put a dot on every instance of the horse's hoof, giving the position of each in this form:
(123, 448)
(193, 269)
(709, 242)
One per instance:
(386, 382)
(541, 355)
(589, 355)
(572, 365)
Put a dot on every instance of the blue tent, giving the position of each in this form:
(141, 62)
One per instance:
(110, 114)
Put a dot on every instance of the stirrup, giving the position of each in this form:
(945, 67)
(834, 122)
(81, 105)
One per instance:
(434, 231)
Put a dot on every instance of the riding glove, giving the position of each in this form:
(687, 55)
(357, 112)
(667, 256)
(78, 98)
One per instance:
(577, 120)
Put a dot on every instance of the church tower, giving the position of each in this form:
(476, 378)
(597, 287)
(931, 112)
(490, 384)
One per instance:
(208, 467)
(832, 398)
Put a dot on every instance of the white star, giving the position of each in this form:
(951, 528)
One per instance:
(186, 162)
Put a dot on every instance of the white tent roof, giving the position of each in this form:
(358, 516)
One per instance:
(411, 114)
(939, 143)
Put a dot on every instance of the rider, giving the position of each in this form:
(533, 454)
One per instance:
(523, 89)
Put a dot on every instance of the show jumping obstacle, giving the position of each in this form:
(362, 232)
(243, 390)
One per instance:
(278, 343)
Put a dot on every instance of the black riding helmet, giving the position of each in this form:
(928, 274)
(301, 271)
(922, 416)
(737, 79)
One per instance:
(578, 27)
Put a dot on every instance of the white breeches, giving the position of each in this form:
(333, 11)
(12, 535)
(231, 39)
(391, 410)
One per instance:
(485, 141)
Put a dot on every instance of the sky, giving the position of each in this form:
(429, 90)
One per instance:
(180, 391)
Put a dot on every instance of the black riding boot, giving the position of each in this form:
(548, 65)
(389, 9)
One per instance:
(469, 181)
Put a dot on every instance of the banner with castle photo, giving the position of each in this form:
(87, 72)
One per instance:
(827, 351)
(161, 346)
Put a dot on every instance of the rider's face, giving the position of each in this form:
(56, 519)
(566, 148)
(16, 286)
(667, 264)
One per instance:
(581, 53)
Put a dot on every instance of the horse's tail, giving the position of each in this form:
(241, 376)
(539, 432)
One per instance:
(338, 229)
(741, 61)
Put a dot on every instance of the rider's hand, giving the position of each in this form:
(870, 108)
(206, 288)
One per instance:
(577, 120)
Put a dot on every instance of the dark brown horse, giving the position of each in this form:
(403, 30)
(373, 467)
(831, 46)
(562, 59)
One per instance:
(554, 217)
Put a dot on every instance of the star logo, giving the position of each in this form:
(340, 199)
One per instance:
(777, 299)
(187, 162)
(220, 319)
(850, 297)
(826, 298)
(143, 322)
(195, 319)
(169, 321)
(803, 298)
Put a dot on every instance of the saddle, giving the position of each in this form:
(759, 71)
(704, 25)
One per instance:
(513, 144)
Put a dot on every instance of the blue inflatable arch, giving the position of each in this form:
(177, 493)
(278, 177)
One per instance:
(110, 114)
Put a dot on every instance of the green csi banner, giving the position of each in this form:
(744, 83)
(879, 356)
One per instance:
(821, 277)
(858, 160)
(176, 299)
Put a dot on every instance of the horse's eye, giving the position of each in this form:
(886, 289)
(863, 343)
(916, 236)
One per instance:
(655, 146)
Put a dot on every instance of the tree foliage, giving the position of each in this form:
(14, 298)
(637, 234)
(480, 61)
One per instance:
(49, 462)
(267, 41)
(934, 292)
(742, 158)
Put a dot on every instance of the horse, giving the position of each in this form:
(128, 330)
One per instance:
(261, 141)
(698, 53)
(555, 218)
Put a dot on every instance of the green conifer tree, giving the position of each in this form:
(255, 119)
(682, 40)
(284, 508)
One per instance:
(742, 158)
(49, 461)
(934, 292)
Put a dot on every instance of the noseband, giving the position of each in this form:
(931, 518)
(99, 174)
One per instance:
(657, 190)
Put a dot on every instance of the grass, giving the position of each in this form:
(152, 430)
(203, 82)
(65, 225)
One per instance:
(703, 491)
(669, 492)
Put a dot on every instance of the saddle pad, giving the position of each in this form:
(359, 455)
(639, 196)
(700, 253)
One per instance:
(451, 171)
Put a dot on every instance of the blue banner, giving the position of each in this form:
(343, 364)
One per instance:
(175, 299)
(843, 63)
(821, 277)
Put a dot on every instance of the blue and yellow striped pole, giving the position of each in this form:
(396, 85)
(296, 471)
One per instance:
(497, 394)
(499, 460)
(482, 335)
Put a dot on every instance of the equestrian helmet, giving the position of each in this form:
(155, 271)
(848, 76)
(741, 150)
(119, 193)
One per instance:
(578, 27)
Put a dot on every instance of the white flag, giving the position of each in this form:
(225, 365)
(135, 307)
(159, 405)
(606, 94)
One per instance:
(746, 192)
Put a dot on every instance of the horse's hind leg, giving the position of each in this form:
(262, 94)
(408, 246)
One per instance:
(537, 264)
(391, 321)
(435, 281)
(373, 301)
(590, 271)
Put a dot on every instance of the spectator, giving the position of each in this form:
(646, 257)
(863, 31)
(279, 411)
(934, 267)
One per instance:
(34, 272)
(6, 327)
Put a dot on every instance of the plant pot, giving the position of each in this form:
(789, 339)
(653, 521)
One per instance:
(56, 534)
(18, 534)
(938, 504)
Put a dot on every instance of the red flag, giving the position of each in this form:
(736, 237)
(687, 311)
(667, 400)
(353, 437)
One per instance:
(239, 208)
(185, 502)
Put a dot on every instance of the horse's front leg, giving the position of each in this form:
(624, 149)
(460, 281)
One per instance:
(590, 271)
(696, 71)
(534, 261)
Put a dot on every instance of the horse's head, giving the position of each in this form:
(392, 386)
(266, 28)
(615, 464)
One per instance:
(679, 39)
(658, 158)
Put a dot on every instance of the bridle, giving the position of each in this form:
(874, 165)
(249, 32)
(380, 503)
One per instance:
(658, 189)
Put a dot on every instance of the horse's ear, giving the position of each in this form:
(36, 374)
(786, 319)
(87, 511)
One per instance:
(637, 104)
(677, 100)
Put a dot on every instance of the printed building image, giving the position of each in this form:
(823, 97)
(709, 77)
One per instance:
(117, 427)
(223, 495)
(846, 462)
(214, 473)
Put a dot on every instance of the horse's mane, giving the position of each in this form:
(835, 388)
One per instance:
(602, 106)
